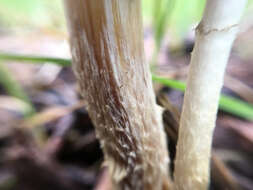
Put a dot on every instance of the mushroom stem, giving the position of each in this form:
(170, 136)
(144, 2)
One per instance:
(214, 37)
(108, 60)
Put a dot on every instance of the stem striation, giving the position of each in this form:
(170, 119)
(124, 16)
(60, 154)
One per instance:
(108, 60)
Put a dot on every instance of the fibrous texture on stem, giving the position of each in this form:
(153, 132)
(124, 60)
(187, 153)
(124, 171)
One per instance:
(214, 37)
(108, 61)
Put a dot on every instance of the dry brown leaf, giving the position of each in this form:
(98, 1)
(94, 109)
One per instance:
(50, 114)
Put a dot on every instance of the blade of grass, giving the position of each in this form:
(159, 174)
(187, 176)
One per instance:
(236, 107)
(13, 88)
(175, 84)
(34, 59)
(228, 104)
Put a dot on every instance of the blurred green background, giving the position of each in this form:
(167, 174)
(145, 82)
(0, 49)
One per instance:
(177, 15)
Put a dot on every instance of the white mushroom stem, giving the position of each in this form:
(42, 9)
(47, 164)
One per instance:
(106, 39)
(214, 37)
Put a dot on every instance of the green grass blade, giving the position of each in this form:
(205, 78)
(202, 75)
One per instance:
(236, 107)
(13, 88)
(175, 84)
(228, 104)
(34, 59)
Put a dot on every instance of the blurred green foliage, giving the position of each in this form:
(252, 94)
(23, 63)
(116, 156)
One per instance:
(31, 13)
(177, 15)
(13, 88)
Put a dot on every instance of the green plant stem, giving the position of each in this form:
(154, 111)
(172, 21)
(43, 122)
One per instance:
(228, 104)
